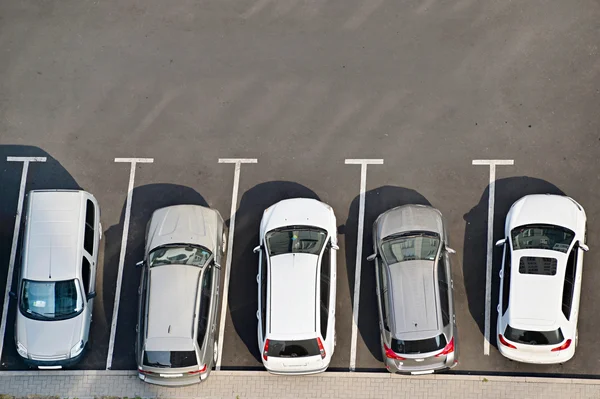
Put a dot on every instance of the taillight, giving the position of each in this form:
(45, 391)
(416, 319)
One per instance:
(562, 347)
(505, 342)
(202, 370)
(390, 354)
(265, 349)
(449, 348)
(321, 349)
(144, 371)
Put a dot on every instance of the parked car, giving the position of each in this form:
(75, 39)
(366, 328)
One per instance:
(414, 290)
(296, 286)
(179, 295)
(57, 278)
(540, 279)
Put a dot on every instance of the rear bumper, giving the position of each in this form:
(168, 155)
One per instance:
(396, 367)
(173, 382)
(296, 372)
(536, 358)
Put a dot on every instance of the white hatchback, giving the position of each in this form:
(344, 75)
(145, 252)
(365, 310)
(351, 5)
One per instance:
(296, 286)
(540, 280)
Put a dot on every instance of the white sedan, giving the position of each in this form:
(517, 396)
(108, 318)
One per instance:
(540, 280)
(296, 286)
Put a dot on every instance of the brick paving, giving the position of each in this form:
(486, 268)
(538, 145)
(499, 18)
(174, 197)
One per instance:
(261, 385)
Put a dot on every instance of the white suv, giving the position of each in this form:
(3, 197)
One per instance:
(540, 280)
(296, 286)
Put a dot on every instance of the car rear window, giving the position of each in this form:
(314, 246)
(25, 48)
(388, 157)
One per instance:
(167, 359)
(419, 345)
(534, 337)
(300, 348)
(537, 265)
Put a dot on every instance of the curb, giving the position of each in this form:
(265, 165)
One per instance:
(327, 375)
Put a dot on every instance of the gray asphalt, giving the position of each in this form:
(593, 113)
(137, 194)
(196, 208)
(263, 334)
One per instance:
(302, 85)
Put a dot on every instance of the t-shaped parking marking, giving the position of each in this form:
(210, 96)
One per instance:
(490, 243)
(359, 244)
(15, 240)
(115, 315)
(234, 199)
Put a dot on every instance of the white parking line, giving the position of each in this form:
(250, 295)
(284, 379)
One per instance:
(234, 200)
(490, 243)
(115, 315)
(359, 244)
(15, 240)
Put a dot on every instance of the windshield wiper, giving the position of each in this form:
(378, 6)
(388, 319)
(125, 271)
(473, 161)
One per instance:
(42, 315)
(156, 364)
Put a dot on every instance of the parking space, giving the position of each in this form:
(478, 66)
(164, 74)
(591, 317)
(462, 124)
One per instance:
(303, 86)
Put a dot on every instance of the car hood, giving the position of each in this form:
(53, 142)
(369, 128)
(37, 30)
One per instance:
(49, 338)
(409, 218)
(542, 209)
(299, 212)
(183, 224)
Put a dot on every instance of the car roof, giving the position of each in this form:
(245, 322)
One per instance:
(408, 218)
(293, 298)
(183, 224)
(541, 209)
(414, 301)
(173, 292)
(53, 242)
(534, 299)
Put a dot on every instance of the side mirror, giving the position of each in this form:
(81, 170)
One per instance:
(450, 250)
(501, 242)
(13, 295)
(140, 263)
(371, 258)
(256, 249)
(91, 295)
(218, 265)
(584, 247)
(335, 247)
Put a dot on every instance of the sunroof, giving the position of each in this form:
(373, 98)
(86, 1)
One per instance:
(537, 265)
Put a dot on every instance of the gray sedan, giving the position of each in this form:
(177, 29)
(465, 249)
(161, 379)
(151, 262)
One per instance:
(414, 290)
(179, 295)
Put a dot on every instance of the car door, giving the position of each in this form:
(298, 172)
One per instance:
(382, 295)
(262, 282)
(140, 327)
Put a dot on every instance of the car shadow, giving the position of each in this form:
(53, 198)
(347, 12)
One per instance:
(508, 191)
(145, 200)
(243, 291)
(41, 175)
(377, 201)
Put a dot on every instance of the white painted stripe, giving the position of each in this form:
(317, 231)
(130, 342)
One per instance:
(359, 244)
(26, 159)
(115, 315)
(493, 162)
(135, 160)
(490, 244)
(15, 240)
(234, 199)
(238, 160)
(364, 161)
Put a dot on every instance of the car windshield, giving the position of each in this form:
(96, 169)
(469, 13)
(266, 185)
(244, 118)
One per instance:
(296, 239)
(179, 255)
(542, 236)
(411, 246)
(300, 348)
(534, 337)
(170, 359)
(51, 300)
(419, 345)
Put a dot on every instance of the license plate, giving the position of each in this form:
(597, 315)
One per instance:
(171, 375)
(419, 360)
(49, 367)
(422, 372)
